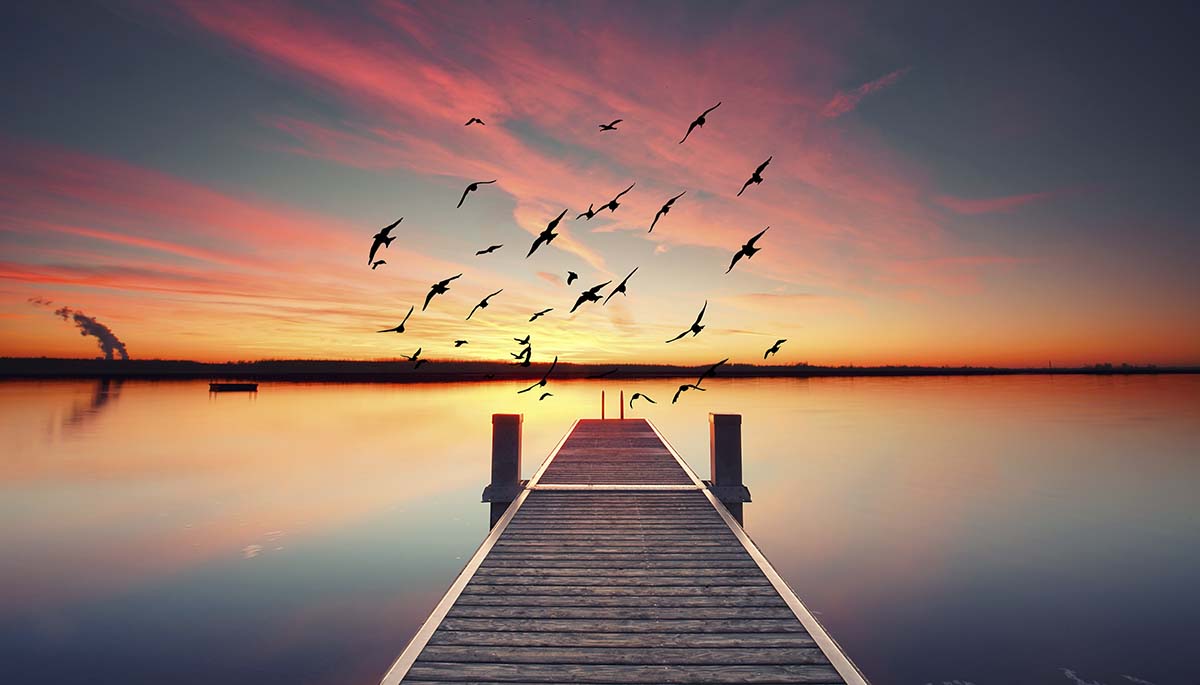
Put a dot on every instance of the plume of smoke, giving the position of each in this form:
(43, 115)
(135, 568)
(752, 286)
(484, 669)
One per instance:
(105, 338)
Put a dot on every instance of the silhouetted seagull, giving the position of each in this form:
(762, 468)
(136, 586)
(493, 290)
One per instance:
(460, 343)
(698, 122)
(621, 288)
(545, 395)
(438, 288)
(747, 250)
(472, 188)
(545, 377)
(606, 374)
(612, 126)
(696, 327)
(571, 276)
(474, 120)
(684, 388)
(489, 250)
(523, 342)
(756, 177)
(592, 294)
(523, 356)
(377, 263)
(400, 328)
(662, 212)
(711, 371)
(382, 238)
(612, 204)
(547, 235)
(415, 359)
(638, 395)
(537, 315)
(589, 213)
(774, 348)
(483, 304)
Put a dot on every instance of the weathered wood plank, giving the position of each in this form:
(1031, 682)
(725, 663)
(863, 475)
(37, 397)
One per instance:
(586, 591)
(661, 656)
(667, 601)
(642, 640)
(616, 613)
(613, 574)
(644, 625)
(596, 673)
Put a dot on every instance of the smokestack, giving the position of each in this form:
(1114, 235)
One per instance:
(89, 326)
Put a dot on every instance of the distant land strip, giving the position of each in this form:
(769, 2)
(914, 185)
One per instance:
(400, 371)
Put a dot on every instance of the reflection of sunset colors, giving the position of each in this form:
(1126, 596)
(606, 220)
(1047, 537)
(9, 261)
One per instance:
(886, 503)
(923, 208)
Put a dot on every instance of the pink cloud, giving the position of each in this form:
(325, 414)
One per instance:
(990, 205)
(845, 101)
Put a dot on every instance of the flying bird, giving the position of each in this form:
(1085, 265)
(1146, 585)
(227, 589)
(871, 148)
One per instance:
(545, 395)
(523, 357)
(612, 204)
(638, 395)
(472, 188)
(474, 120)
(489, 250)
(589, 213)
(592, 294)
(400, 328)
(415, 359)
(747, 250)
(523, 342)
(483, 304)
(621, 288)
(695, 328)
(438, 288)
(756, 177)
(612, 126)
(382, 238)
(711, 371)
(571, 276)
(376, 264)
(545, 377)
(684, 388)
(774, 348)
(698, 122)
(547, 235)
(460, 343)
(663, 212)
(538, 315)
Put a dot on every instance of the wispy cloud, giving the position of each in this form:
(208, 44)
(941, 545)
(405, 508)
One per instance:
(846, 100)
(989, 205)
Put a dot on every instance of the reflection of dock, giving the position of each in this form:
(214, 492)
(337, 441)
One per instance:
(616, 564)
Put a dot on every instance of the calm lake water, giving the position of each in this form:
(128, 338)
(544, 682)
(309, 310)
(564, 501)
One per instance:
(983, 530)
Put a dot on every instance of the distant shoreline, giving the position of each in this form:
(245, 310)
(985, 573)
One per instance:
(434, 371)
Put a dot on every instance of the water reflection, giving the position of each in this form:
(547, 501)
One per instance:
(105, 391)
(991, 530)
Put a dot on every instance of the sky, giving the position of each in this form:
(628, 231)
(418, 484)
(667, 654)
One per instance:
(951, 183)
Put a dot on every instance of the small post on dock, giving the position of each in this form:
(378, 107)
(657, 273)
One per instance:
(622, 405)
(725, 456)
(506, 464)
(601, 405)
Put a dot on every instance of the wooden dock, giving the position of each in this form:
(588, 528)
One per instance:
(615, 564)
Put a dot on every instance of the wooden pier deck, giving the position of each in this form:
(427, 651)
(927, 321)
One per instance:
(616, 565)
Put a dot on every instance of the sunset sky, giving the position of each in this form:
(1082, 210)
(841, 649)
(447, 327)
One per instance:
(951, 182)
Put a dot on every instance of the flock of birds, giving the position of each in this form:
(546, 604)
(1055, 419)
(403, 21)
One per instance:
(524, 355)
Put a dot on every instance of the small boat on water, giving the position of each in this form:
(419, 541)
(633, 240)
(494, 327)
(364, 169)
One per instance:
(233, 387)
